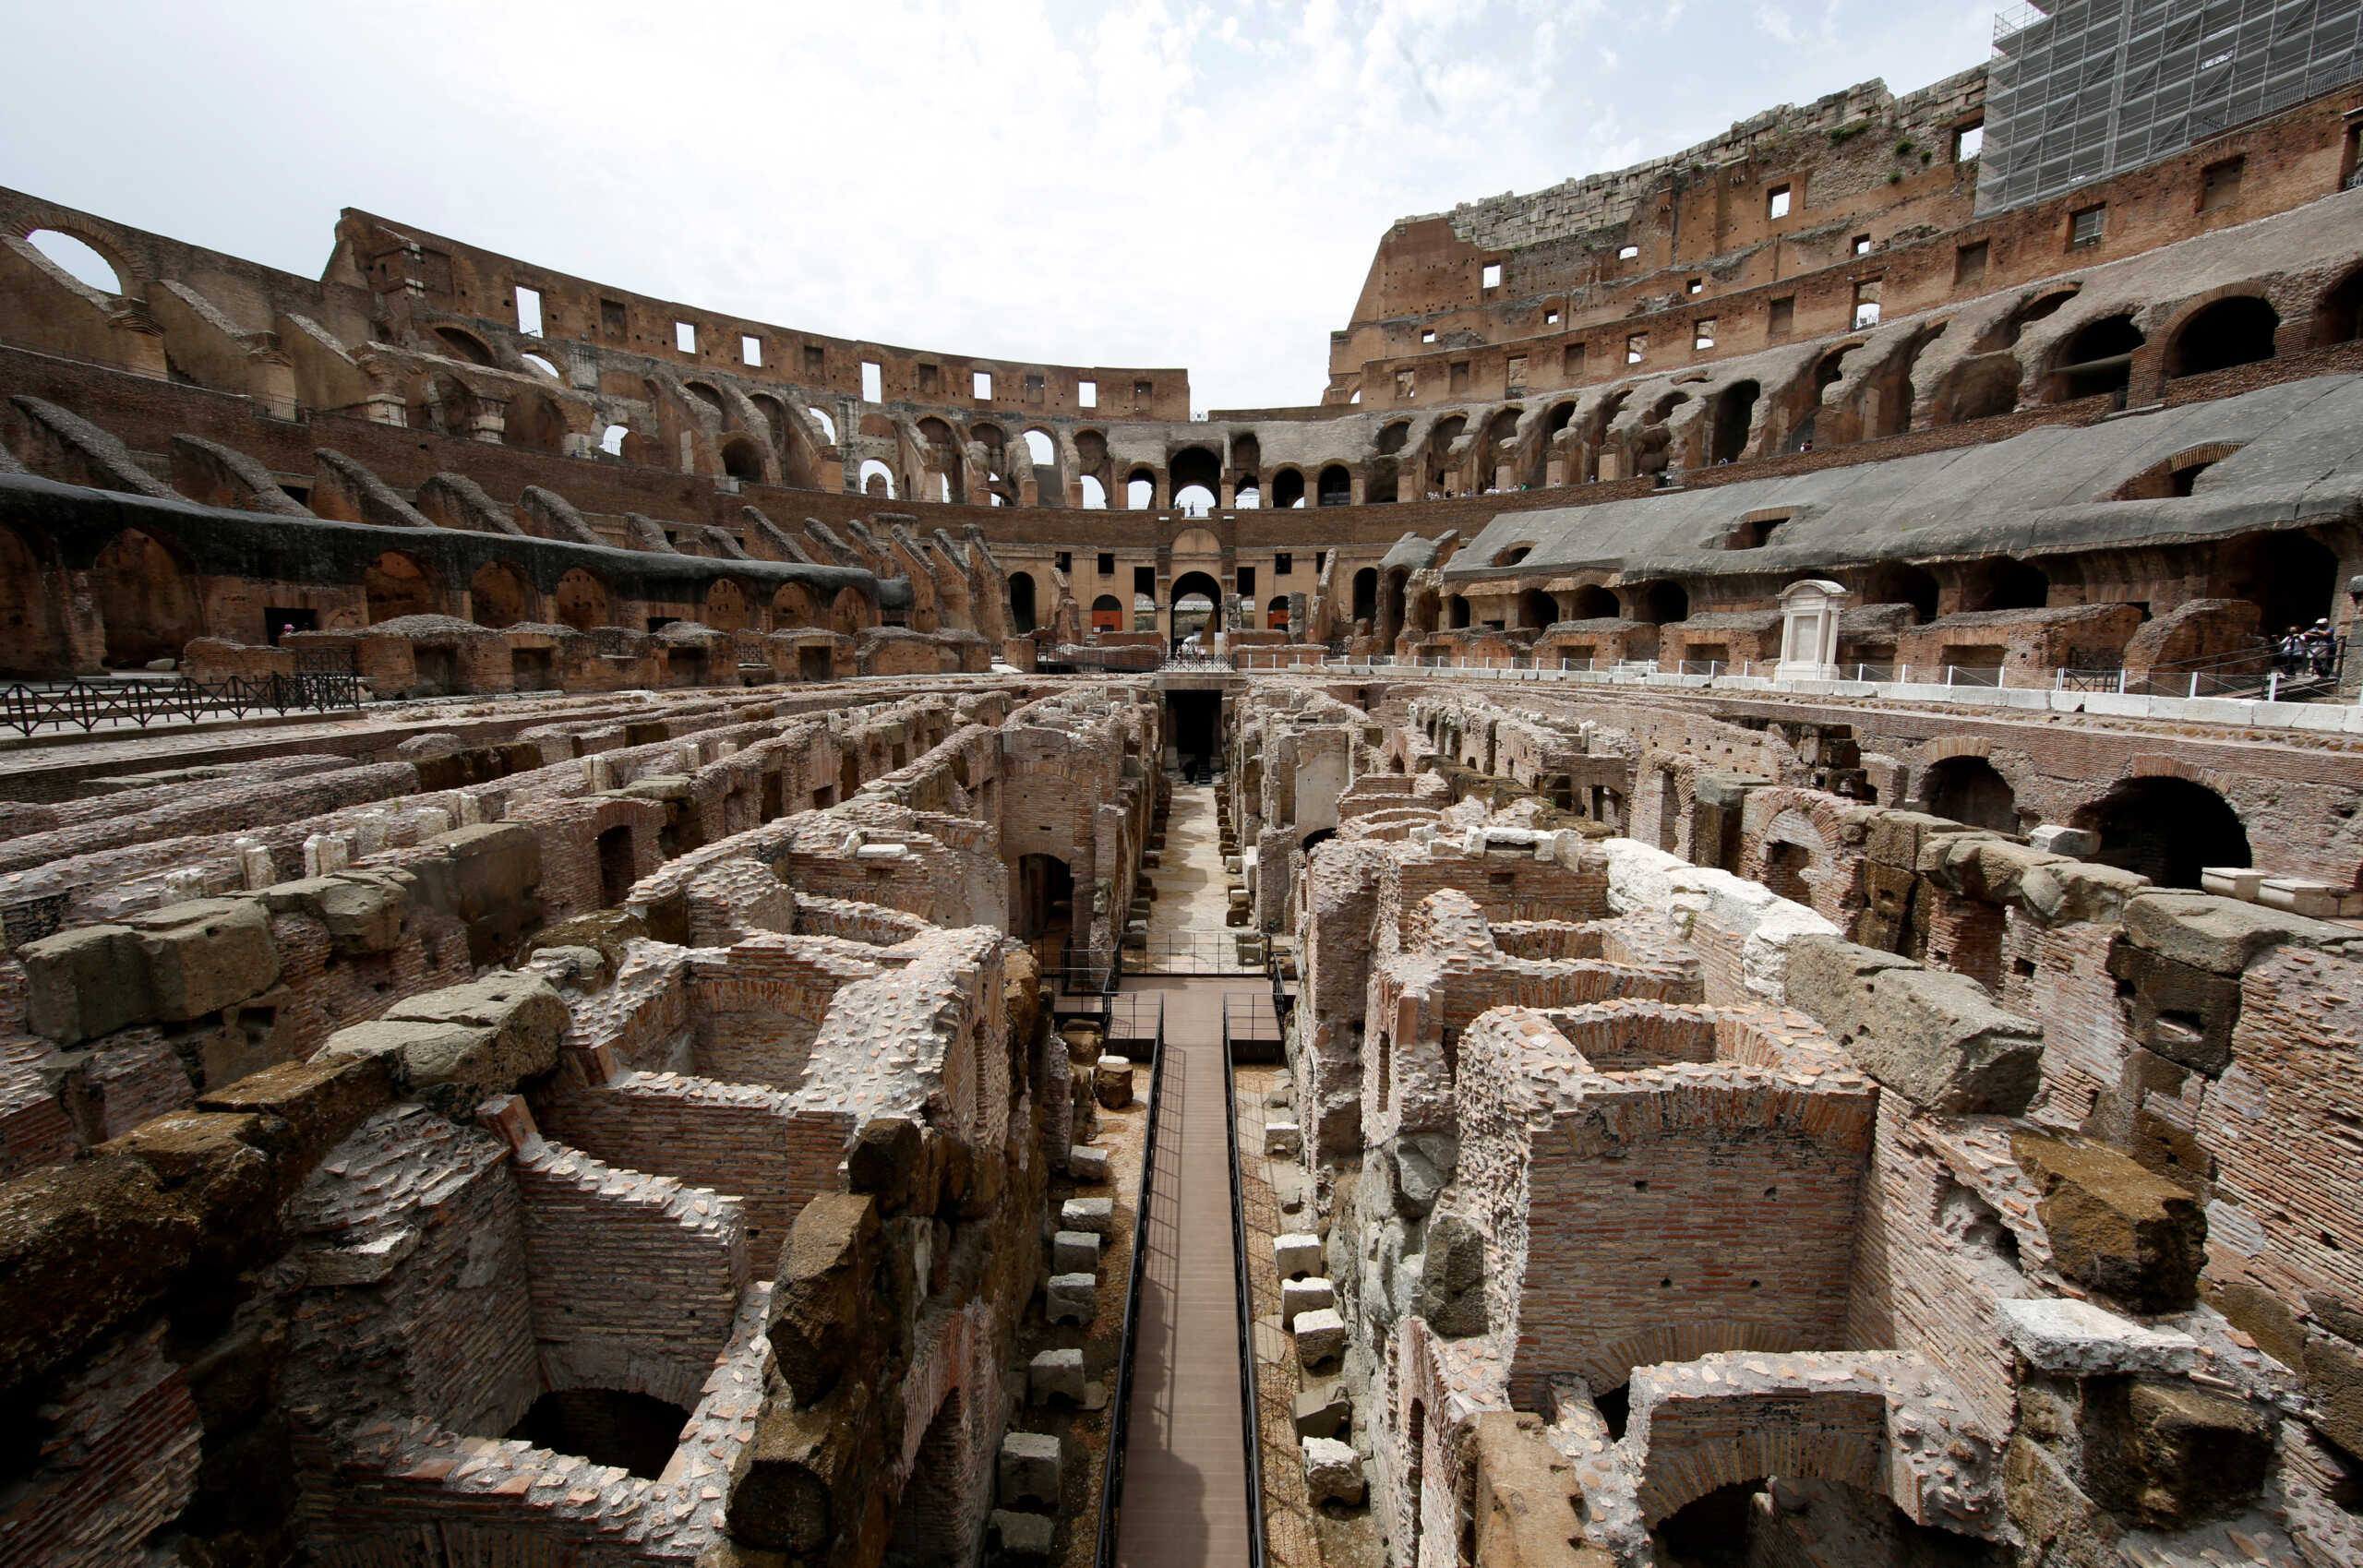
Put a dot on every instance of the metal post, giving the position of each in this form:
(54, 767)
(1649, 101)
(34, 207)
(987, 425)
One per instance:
(2194, 683)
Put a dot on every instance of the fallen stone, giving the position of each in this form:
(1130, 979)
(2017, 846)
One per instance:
(2073, 1338)
(1283, 1140)
(1320, 1337)
(1021, 1535)
(1087, 1164)
(1333, 1473)
(1322, 1410)
(1934, 1037)
(1094, 1214)
(2116, 1226)
(1112, 1081)
(2054, 838)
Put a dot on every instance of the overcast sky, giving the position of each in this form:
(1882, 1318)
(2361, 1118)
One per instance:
(1144, 182)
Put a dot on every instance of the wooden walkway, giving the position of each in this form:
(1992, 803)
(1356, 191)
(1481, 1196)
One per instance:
(1185, 1475)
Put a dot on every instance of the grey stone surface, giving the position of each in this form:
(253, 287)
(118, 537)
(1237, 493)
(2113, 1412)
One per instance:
(1074, 1251)
(1935, 1036)
(1072, 1298)
(1304, 1296)
(1296, 1255)
(1320, 1337)
(1333, 1472)
(1322, 1410)
(1094, 1214)
(1055, 1374)
(1029, 1470)
(2078, 1339)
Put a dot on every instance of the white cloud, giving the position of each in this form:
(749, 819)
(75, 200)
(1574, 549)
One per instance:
(1143, 182)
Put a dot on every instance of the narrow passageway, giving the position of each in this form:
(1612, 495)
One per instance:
(1186, 1479)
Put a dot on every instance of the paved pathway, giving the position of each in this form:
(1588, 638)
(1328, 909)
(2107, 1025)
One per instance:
(1185, 1476)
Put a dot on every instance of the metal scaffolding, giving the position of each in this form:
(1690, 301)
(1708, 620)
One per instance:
(2086, 88)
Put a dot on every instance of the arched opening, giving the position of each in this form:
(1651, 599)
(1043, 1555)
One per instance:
(1196, 500)
(30, 644)
(1107, 612)
(395, 585)
(534, 423)
(725, 608)
(1195, 598)
(709, 396)
(611, 440)
(2012, 585)
(742, 459)
(1456, 611)
(1336, 486)
(1042, 448)
(1792, 1519)
(1980, 389)
(877, 479)
(848, 612)
(1248, 497)
(1896, 582)
(1391, 439)
(580, 600)
(1196, 474)
(2292, 582)
(1140, 490)
(2339, 317)
(617, 864)
(79, 260)
(1969, 790)
(636, 1432)
(1664, 601)
(1593, 603)
(466, 345)
(539, 365)
(1095, 493)
(1275, 614)
(1512, 556)
(1535, 608)
(2098, 359)
(792, 607)
(1045, 900)
(1366, 596)
(1735, 409)
(1287, 488)
(2166, 828)
(499, 596)
(1021, 603)
(2238, 330)
(827, 427)
(2005, 335)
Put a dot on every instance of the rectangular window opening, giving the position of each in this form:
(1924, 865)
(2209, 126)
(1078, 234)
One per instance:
(1782, 318)
(529, 311)
(750, 349)
(980, 384)
(1144, 581)
(2087, 226)
(1776, 202)
(1703, 334)
(928, 377)
(874, 381)
(1967, 141)
(685, 337)
(1406, 386)
(1549, 318)
(1106, 564)
(1514, 377)
(1429, 336)
(1035, 388)
(816, 360)
(1636, 348)
(612, 319)
(1492, 274)
(1246, 578)
(1862, 245)
(1065, 560)
(1867, 303)
(1283, 563)
(1571, 359)
(2219, 184)
(1628, 252)
(1697, 286)
(1969, 263)
(1143, 390)
(1459, 375)
(1086, 394)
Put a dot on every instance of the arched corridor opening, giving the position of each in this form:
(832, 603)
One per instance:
(1021, 603)
(2238, 330)
(498, 597)
(1365, 606)
(1044, 904)
(147, 601)
(2098, 359)
(1969, 789)
(395, 585)
(1664, 602)
(582, 600)
(2167, 829)
(1107, 612)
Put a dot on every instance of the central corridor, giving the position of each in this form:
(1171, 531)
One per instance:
(1186, 1478)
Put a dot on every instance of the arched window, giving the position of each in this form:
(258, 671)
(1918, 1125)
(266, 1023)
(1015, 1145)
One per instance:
(1140, 490)
(1336, 486)
(1287, 488)
(1195, 499)
(877, 479)
(2167, 829)
(828, 427)
(79, 260)
(1665, 603)
(1593, 603)
(611, 441)
(1044, 451)
(2238, 330)
(1094, 494)
(742, 459)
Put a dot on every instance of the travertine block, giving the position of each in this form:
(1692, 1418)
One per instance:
(1320, 1337)
(1072, 1298)
(1301, 1296)
(1055, 1374)
(1296, 1255)
(1333, 1472)
(1283, 1140)
(1028, 1470)
(1074, 1251)
(1086, 1164)
(1112, 1081)
(1092, 1215)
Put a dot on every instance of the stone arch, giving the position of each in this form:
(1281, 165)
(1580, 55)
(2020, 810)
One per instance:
(1970, 789)
(1022, 612)
(582, 599)
(2234, 329)
(2165, 825)
(848, 612)
(724, 605)
(1844, 1441)
(792, 607)
(1288, 487)
(1734, 416)
(743, 459)
(534, 423)
(1611, 1363)
(1365, 595)
(466, 345)
(32, 639)
(1793, 858)
(2338, 315)
(92, 270)
(2097, 358)
(500, 595)
(146, 599)
(395, 585)
(1592, 603)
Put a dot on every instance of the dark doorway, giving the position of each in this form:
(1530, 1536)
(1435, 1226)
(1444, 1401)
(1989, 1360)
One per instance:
(1665, 603)
(813, 662)
(2167, 829)
(2231, 331)
(278, 621)
(530, 670)
(2294, 579)
(1366, 596)
(1045, 897)
(607, 1426)
(1197, 730)
(1021, 603)
(616, 869)
(1969, 790)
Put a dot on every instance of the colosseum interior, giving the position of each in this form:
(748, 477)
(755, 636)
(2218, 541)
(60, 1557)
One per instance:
(1738, 951)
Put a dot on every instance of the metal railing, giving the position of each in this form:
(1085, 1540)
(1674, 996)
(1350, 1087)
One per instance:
(1252, 1027)
(1198, 952)
(1208, 664)
(87, 704)
(1251, 1415)
(1150, 1019)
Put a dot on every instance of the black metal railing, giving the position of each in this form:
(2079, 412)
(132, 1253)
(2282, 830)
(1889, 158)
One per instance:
(1142, 1022)
(1198, 952)
(1250, 1417)
(86, 705)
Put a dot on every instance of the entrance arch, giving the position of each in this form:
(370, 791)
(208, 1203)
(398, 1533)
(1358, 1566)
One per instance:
(726, 605)
(1021, 603)
(395, 585)
(2167, 828)
(792, 607)
(848, 612)
(1195, 585)
(499, 596)
(2238, 330)
(582, 600)
(1971, 791)
(29, 643)
(146, 599)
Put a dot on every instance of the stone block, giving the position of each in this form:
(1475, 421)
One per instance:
(2232, 882)
(1092, 1215)
(1112, 1081)
(2300, 895)
(365, 912)
(1072, 1298)
(2333, 1370)
(1299, 1296)
(1027, 1471)
(320, 1102)
(1296, 1255)
(203, 955)
(454, 1046)
(84, 982)
(2054, 838)
(1074, 1251)
(1333, 1473)
(1452, 1278)
(2219, 934)
(1283, 1140)
(820, 1299)
(1322, 1410)
(2114, 1226)
(2179, 1012)
(1055, 1374)
(1086, 1164)
(1021, 1535)
(1933, 1037)
(2171, 1455)
(2071, 1339)
(1320, 1337)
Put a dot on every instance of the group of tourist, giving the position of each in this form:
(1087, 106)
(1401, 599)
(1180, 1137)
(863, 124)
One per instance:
(2307, 649)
